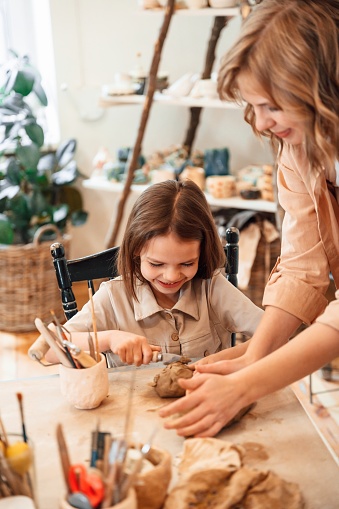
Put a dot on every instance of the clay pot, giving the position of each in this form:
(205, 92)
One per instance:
(84, 388)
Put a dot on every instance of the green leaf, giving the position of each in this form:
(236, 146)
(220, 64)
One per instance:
(40, 93)
(65, 152)
(40, 207)
(79, 217)
(13, 172)
(60, 214)
(28, 155)
(35, 133)
(66, 176)
(6, 230)
(21, 81)
(48, 162)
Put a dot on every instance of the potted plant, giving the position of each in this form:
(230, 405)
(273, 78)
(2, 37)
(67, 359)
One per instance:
(35, 186)
(37, 199)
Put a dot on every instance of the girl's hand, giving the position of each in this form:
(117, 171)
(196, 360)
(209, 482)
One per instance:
(224, 367)
(210, 403)
(131, 348)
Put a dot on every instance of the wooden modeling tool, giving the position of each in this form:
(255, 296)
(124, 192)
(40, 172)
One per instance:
(46, 333)
(94, 321)
(64, 456)
(84, 359)
(91, 345)
(23, 427)
(60, 337)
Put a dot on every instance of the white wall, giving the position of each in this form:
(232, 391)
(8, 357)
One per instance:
(92, 40)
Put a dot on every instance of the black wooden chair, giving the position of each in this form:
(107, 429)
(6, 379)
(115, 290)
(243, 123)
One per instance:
(102, 265)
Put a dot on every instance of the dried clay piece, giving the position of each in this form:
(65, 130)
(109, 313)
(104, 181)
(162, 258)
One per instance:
(166, 382)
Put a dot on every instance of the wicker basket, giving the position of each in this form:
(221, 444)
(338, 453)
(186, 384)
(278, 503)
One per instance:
(265, 259)
(28, 284)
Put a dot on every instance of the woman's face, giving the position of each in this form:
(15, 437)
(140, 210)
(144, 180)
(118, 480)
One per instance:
(267, 117)
(167, 263)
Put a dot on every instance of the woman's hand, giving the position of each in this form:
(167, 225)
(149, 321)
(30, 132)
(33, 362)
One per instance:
(132, 348)
(210, 403)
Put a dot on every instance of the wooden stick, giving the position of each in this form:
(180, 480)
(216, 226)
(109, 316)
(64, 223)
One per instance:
(64, 456)
(94, 321)
(3, 433)
(114, 227)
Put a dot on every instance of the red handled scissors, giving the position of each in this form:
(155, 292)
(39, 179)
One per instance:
(88, 483)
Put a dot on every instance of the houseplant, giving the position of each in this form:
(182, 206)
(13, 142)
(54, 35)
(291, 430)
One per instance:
(35, 186)
(37, 199)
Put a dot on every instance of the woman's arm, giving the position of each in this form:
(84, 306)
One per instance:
(213, 400)
(274, 330)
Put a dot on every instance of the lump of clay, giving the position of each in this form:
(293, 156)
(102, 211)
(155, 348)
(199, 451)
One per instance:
(166, 382)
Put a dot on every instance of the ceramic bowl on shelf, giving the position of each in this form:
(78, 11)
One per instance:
(196, 4)
(222, 4)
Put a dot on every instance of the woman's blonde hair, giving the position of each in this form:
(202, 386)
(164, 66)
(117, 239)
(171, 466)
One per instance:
(171, 206)
(290, 47)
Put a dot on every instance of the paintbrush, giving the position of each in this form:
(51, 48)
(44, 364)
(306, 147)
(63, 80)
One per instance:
(3, 434)
(94, 321)
(24, 435)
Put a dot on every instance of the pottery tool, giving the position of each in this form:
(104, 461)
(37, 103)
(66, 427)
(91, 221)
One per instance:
(64, 456)
(91, 345)
(94, 445)
(46, 333)
(23, 427)
(60, 337)
(94, 322)
(84, 359)
(132, 477)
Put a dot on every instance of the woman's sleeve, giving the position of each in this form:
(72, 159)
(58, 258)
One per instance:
(300, 278)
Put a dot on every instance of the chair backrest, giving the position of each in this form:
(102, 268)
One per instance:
(103, 265)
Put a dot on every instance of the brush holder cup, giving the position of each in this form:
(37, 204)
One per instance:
(85, 388)
(19, 467)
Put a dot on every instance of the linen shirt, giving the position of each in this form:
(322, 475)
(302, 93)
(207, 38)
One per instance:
(199, 324)
(310, 241)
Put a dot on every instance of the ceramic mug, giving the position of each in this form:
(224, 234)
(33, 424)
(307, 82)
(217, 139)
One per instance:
(85, 388)
(194, 173)
(196, 4)
(221, 186)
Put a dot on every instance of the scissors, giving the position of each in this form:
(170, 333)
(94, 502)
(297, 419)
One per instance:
(88, 483)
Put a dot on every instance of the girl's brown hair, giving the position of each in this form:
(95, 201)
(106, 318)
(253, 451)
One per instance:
(290, 47)
(170, 206)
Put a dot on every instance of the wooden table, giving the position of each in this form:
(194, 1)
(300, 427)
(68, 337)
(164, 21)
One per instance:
(278, 423)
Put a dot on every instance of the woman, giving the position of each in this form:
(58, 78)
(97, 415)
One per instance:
(285, 67)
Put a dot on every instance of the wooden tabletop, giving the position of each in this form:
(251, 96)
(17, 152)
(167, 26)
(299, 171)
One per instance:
(286, 441)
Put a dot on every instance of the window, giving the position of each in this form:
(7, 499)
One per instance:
(25, 27)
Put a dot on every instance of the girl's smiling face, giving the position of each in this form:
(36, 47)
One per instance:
(267, 116)
(167, 263)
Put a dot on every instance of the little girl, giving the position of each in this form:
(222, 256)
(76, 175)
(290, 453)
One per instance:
(171, 295)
